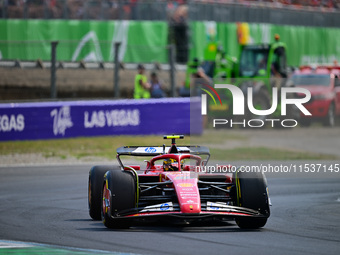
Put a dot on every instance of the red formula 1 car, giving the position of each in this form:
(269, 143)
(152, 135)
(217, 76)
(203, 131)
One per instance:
(324, 84)
(175, 184)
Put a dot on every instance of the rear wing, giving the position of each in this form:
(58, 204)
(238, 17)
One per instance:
(158, 150)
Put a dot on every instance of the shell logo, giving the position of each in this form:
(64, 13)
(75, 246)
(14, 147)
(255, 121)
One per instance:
(185, 185)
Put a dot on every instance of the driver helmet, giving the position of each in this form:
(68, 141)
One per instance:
(167, 165)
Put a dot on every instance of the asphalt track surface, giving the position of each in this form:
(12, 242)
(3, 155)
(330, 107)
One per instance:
(48, 204)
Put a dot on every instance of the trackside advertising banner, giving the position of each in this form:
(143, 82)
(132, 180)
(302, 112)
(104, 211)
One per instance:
(145, 41)
(84, 40)
(49, 120)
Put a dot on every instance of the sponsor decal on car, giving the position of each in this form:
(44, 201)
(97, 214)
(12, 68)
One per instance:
(158, 208)
(185, 185)
(158, 149)
(165, 207)
(184, 190)
(150, 150)
(217, 206)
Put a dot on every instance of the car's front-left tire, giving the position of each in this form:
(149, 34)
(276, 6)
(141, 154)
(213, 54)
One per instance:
(119, 194)
(96, 178)
(252, 193)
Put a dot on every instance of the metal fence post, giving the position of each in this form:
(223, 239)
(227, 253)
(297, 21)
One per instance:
(120, 9)
(4, 9)
(46, 14)
(172, 57)
(65, 14)
(26, 10)
(116, 71)
(53, 69)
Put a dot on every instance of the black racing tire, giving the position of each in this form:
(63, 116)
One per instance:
(119, 193)
(251, 223)
(96, 178)
(329, 120)
(252, 193)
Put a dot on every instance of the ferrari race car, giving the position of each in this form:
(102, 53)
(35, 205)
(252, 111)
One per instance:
(175, 184)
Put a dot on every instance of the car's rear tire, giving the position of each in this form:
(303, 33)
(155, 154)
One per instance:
(119, 193)
(329, 121)
(252, 193)
(96, 178)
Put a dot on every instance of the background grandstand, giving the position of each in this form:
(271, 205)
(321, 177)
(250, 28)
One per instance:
(140, 9)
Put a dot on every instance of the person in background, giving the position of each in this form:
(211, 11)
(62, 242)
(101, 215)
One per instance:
(156, 87)
(142, 87)
(197, 78)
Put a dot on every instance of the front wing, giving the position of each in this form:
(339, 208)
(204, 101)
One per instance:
(209, 210)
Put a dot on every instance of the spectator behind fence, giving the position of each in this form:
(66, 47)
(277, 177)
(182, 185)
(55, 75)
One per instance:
(142, 87)
(156, 87)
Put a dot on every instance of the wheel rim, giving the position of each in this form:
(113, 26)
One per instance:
(106, 200)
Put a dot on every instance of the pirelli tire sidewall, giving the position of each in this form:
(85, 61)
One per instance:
(119, 194)
(252, 192)
(95, 182)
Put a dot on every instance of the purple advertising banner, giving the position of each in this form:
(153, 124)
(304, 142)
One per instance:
(65, 119)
